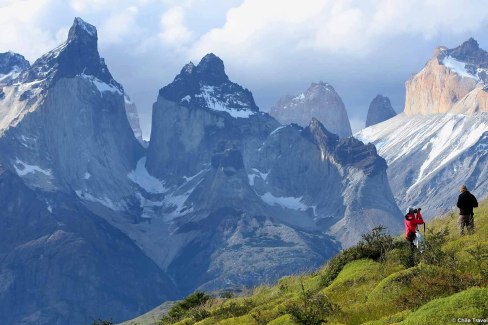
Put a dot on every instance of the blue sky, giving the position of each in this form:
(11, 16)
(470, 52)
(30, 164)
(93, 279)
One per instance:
(272, 47)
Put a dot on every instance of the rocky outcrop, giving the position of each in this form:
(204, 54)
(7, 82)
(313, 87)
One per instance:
(11, 65)
(453, 81)
(379, 110)
(319, 101)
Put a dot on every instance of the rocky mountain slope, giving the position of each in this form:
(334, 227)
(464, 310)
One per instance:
(319, 101)
(379, 110)
(430, 150)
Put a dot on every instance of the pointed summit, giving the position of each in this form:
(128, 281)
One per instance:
(77, 56)
(207, 86)
(211, 69)
(82, 30)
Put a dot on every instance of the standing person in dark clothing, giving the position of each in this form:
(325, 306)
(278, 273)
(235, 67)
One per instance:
(466, 202)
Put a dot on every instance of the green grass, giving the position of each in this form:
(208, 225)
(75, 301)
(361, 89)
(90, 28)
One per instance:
(374, 283)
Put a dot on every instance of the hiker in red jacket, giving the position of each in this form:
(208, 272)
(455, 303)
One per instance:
(412, 219)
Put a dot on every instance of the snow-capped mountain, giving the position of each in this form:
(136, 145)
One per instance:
(430, 150)
(453, 81)
(319, 101)
(379, 110)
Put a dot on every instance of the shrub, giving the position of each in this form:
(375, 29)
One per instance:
(233, 309)
(188, 307)
(312, 309)
(373, 245)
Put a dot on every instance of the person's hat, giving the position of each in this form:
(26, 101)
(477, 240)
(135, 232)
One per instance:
(463, 188)
(409, 210)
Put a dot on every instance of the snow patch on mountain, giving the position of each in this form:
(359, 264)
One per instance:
(212, 102)
(293, 203)
(146, 181)
(102, 86)
(105, 201)
(458, 67)
(23, 169)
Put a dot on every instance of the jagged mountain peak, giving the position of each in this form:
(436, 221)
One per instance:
(211, 69)
(81, 30)
(349, 152)
(379, 110)
(188, 69)
(207, 86)
(78, 56)
(320, 135)
(468, 52)
(10, 61)
(321, 85)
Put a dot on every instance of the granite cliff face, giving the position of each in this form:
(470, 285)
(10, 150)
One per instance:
(379, 110)
(66, 116)
(453, 81)
(319, 101)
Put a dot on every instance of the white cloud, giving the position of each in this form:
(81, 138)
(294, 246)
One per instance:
(174, 30)
(354, 27)
(24, 28)
(121, 26)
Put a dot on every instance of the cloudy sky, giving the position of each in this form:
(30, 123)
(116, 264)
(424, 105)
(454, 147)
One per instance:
(272, 47)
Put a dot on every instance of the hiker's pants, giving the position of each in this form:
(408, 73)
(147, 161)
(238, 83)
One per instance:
(468, 221)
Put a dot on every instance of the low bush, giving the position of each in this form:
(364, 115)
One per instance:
(373, 245)
(191, 306)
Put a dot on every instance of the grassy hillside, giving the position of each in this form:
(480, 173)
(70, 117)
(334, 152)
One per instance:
(379, 281)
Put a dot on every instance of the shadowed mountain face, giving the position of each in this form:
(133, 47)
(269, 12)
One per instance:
(61, 264)
(223, 197)
(379, 110)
